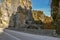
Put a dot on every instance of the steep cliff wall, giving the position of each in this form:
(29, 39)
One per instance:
(15, 12)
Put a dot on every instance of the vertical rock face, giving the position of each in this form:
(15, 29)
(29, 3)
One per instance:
(59, 11)
(54, 9)
(5, 14)
(16, 12)
(56, 14)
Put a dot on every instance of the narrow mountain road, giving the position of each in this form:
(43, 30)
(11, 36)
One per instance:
(14, 35)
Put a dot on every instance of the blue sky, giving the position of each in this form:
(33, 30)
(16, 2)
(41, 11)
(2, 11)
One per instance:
(42, 5)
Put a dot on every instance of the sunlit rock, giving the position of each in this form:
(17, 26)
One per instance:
(1, 30)
(15, 12)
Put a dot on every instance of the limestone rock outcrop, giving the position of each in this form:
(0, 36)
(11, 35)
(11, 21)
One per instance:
(15, 12)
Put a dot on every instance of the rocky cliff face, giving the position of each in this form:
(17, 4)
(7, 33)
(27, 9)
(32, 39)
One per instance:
(15, 12)
(55, 12)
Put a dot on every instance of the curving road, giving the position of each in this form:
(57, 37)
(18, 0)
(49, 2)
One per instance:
(14, 35)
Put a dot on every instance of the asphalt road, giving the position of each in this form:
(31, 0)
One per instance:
(14, 35)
